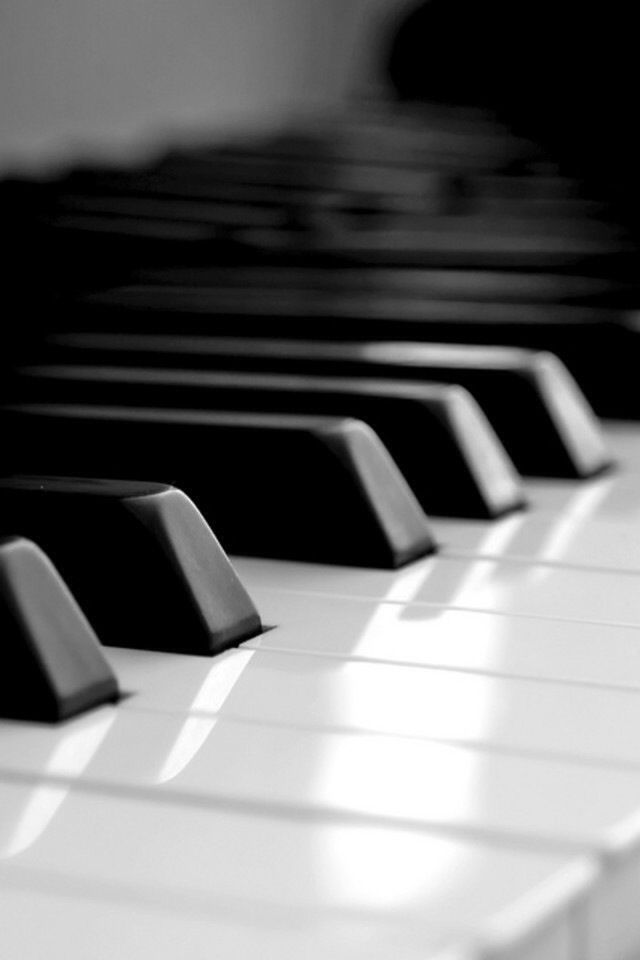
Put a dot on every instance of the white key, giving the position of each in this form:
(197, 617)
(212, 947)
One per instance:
(604, 498)
(599, 544)
(421, 635)
(592, 524)
(501, 586)
(344, 889)
(371, 779)
(321, 693)
(104, 925)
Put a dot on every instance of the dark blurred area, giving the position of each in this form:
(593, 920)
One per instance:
(487, 193)
(560, 73)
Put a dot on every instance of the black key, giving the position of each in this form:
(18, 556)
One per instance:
(530, 398)
(598, 344)
(53, 665)
(139, 557)
(437, 434)
(318, 489)
(323, 314)
(482, 286)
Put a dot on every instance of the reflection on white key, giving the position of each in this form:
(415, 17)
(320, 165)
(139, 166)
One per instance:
(498, 535)
(220, 680)
(71, 756)
(381, 775)
(216, 687)
(193, 734)
(373, 869)
(37, 814)
(557, 542)
(472, 717)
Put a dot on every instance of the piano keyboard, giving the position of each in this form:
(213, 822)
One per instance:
(439, 761)
(436, 762)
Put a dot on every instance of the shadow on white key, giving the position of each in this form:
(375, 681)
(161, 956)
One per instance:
(51, 750)
(292, 886)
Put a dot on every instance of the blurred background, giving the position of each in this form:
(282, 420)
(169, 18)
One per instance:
(83, 76)
(338, 169)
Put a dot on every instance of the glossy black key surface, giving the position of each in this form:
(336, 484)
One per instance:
(140, 559)
(52, 664)
(438, 435)
(531, 399)
(306, 488)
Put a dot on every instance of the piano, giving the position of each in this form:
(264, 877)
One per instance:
(435, 759)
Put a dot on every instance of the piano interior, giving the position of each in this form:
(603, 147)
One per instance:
(347, 291)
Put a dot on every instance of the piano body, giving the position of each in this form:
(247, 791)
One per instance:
(439, 761)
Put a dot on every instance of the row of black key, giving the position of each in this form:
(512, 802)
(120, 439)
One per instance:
(298, 479)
